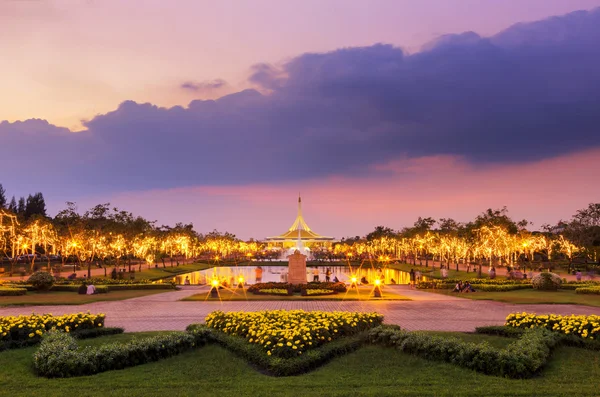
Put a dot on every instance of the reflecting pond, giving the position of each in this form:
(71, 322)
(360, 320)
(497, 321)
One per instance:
(231, 274)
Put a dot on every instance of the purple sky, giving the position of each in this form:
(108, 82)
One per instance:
(371, 133)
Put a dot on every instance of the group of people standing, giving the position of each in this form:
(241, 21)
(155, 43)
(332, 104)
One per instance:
(415, 277)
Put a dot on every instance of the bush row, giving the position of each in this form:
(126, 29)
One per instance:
(567, 340)
(588, 290)
(521, 359)
(477, 283)
(100, 288)
(277, 366)
(500, 288)
(59, 355)
(12, 291)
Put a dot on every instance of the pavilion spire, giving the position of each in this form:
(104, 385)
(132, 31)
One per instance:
(299, 223)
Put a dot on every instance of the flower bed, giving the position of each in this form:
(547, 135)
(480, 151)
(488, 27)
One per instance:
(12, 291)
(583, 326)
(318, 292)
(273, 291)
(290, 333)
(16, 330)
(298, 288)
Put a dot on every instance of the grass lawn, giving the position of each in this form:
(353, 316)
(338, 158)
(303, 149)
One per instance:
(436, 273)
(371, 371)
(72, 298)
(530, 296)
(160, 272)
(351, 295)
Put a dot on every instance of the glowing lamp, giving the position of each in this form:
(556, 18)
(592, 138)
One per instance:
(215, 283)
(353, 279)
(240, 279)
(377, 282)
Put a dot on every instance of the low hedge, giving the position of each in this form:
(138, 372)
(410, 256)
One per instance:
(521, 359)
(588, 290)
(59, 355)
(96, 332)
(123, 287)
(276, 366)
(500, 330)
(100, 289)
(512, 332)
(500, 288)
(12, 291)
(478, 284)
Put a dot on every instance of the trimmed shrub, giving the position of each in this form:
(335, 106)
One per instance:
(500, 288)
(500, 330)
(89, 333)
(124, 287)
(59, 356)
(546, 281)
(12, 291)
(588, 290)
(41, 281)
(521, 359)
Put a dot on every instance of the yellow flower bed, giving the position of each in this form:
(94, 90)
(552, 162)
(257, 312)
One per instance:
(19, 328)
(273, 291)
(310, 292)
(583, 326)
(290, 333)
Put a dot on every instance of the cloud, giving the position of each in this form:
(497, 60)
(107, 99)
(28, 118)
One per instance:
(436, 186)
(523, 95)
(204, 85)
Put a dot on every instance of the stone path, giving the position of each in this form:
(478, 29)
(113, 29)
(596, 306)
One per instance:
(427, 311)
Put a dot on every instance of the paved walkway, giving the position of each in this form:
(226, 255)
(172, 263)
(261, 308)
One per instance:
(427, 311)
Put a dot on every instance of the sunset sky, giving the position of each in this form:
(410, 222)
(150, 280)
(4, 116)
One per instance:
(220, 112)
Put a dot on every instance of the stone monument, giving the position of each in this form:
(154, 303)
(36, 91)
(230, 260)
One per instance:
(297, 268)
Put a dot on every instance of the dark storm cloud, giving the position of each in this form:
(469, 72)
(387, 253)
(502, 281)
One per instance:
(530, 92)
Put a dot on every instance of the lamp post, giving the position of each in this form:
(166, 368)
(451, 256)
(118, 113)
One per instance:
(377, 290)
(214, 290)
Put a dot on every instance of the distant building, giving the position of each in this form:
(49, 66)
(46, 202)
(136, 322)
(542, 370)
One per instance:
(300, 236)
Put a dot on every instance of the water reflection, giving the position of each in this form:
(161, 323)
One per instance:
(231, 275)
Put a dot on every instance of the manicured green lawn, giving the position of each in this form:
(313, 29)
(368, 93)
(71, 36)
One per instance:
(168, 271)
(371, 371)
(238, 295)
(530, 296)
(436, 273)
(72, 298)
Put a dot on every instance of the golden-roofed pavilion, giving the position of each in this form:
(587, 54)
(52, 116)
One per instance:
(299, 235)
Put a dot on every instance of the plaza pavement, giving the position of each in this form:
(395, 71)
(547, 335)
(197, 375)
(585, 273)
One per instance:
(426, 311)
